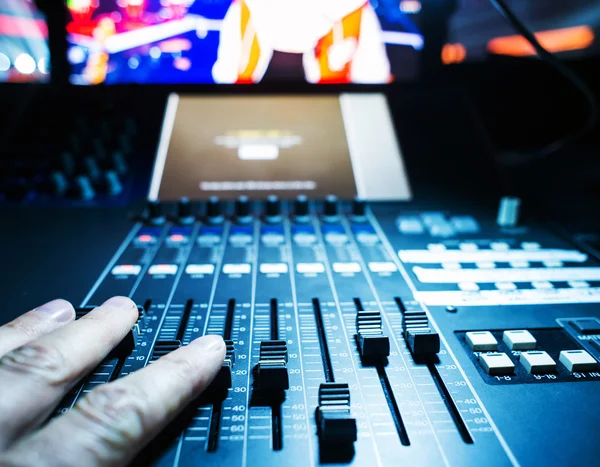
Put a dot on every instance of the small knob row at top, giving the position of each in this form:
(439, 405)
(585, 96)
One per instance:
(243, 210)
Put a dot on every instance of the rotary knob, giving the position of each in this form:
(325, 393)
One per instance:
(184, 211)
(242, 210)
(273, 209)
(301, 209)
(359, 208)
(214, 210)
(330, 208)
(155, 213)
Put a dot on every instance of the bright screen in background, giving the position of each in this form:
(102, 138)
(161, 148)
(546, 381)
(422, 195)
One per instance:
(243, 41)
(24, 54)
(568, 27)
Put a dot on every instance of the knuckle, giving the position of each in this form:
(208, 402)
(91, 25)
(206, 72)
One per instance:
(117, 414)
(38, 360)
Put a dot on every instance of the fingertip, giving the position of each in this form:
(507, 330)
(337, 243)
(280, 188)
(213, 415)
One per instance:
(122, 303)
(211, 344)
(59, 310)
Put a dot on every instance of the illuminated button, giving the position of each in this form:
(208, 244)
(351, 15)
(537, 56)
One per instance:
(486, 265)
(542, 285)
(310, 268)
(208, 239)
(383, 266)
(468, 246)
(177, 238)
(505, 285)
(587, 325)
(200, 269)
(481, 341)
(500, 246)
(436, 247)
(579, 284)
(519, 264)
(274, 268)
(241, 268)
(272, 239)
(367, 238)
(531, 246)
(496, 364)
(305, 238)
(145, 238)
(519, 340)
(342, 268)
(162, 269)
(537, 362)
(577, 360)
(553, 264)
(126, 270)
(335, 238)
(410, 225)
(240, 239)
(464, 224)
(451, 265)
(468, 286)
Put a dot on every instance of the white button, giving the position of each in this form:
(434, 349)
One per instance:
(436, 247)
(273, 239)
(242, 268)
(468, 286)
(208, 239)
(383, 266)
(485, 265)
(496, 364)
(342, 268)
(537, 362)
(505, 286)
(481, 341)
(310, 268)
(126, 270)
(336, 238)
(531, 245)
(367, 238)
(451, 265)
(274, 268)
(577, 360)
(162, 269)
(579, 284)
(500, 246)
(305, 238)
(519, 264)
(542, 285)
(553, 264)
(519, 340)
(240, 239)
(468, 246)
(200, 268)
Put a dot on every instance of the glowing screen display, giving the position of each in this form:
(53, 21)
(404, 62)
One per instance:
(243, 41)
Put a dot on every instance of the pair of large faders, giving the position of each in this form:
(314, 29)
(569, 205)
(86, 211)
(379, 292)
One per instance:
(244, 210)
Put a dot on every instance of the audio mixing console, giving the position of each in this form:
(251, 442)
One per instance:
(362, 334)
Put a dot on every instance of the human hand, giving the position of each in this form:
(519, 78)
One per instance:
(44, 353)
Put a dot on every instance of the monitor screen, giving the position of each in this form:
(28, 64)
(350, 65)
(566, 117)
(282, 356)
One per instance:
(24, 53)
(243, 41)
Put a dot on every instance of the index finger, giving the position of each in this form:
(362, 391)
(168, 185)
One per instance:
(115, 421)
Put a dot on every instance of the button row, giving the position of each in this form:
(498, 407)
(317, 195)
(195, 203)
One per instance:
(537, 362)
(484, 341)
(243, 210)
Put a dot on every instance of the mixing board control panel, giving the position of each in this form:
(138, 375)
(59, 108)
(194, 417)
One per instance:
(354, 331)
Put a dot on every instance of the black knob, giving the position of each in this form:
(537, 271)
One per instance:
(301, 206)
(359, 207)
(214, 213)
(242, 209)
(84, 189)
(155, 212)
(273, 209)
(330, 208)
(184, 211)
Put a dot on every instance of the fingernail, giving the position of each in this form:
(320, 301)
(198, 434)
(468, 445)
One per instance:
(119, 302)
(210, 343)
(57, 310)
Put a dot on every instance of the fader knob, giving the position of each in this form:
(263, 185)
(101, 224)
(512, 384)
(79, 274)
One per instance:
(242, 210)
(273, 209)
(330, 207)
(114, 187)
(508, 212)
(155, 213)
(58, 183)
(184, 211)
(84, 189)
(214, 214)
